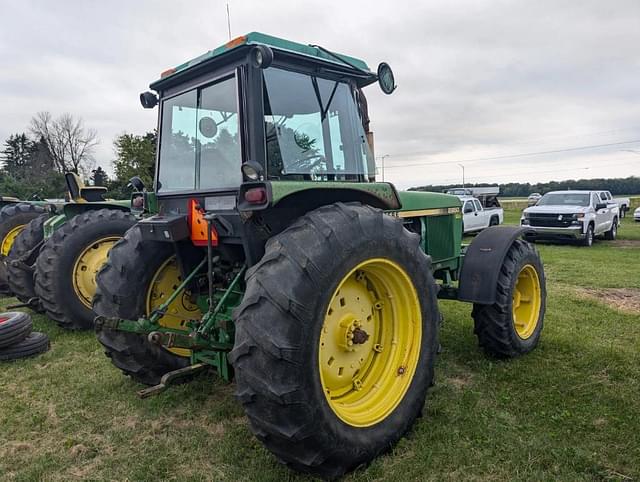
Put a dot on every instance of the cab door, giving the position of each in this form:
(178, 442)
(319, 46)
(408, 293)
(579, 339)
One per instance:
(470, 216)
(604, 216)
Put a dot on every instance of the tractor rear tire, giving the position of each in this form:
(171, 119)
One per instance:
(21, 280)
(13, 219)
(122, 288)
(513, 324)
(335, 259)
(64, 283)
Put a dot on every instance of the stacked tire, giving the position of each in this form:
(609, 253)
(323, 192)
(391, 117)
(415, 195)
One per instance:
(17, 340)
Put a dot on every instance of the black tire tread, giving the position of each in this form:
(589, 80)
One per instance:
(21, 282)
(15, 329)
(34, 344)
(268, 321)
(493, 323)
(46, 264)
(116, 296)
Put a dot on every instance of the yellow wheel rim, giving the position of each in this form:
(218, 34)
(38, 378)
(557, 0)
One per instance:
(526, 301)
(87, 266)
(370, 342)
(9, 239)
(181, 310)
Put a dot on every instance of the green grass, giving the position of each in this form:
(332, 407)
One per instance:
(568, 411)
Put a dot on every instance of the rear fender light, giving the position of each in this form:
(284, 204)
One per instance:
(254, 196)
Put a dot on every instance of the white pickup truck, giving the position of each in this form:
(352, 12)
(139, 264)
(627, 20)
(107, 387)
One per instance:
(571, 215)
(624, 203)
(476, 217)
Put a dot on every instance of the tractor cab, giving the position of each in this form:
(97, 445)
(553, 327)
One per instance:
(252, 123)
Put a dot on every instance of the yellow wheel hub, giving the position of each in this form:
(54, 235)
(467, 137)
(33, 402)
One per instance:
(181, 310)
(9, 239)
(370, 342)
(87, 266)
(526, 301)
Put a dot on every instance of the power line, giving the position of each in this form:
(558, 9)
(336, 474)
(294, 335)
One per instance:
(511, 156)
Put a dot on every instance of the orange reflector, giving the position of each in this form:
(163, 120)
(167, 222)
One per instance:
(168, 72)
(198, 225)
(236, 41)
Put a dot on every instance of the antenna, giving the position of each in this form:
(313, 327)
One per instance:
(228, 21)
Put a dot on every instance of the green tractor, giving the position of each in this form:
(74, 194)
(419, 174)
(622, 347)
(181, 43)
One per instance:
(273, 257)
(54, 258)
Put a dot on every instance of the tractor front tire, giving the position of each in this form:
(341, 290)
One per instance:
(20, 272)
(513, 324)
(124, 288)
(336, 338)
(13, 219)
(69, 260)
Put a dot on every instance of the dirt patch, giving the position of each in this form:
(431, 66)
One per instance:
(622, 299)
(626, 243)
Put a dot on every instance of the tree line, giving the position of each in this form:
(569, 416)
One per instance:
(617, 186)
(33, 163)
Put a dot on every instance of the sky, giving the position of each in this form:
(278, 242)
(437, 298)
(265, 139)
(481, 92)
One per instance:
(517, 91)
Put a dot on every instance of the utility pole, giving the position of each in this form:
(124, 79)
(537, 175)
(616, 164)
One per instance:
(462, 175)
(228, 21)
(382, 158)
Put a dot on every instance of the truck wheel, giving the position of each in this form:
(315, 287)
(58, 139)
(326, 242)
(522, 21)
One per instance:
(336, 338)
(20, 272)
(137, 278)
(13, 219)
(613, 232)
(14, 327)
(588, 237)
(512, 325)
(69, 260)
(494, 221)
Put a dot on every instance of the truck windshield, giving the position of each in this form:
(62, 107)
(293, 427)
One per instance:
(313, 129)
(564, 199)
(199, 143)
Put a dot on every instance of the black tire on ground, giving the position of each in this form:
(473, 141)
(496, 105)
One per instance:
(15, 326)
(34, 344)
(278, 328)
(494, 221)
(21, 280)
(588, 237)
(11, 217)
(122, 287)
(54, 283)
(613, 232)
(494, 324)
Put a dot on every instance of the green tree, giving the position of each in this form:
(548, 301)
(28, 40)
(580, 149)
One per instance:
(135, 156)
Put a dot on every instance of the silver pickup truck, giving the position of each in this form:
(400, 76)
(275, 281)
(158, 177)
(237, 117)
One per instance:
(571, 215)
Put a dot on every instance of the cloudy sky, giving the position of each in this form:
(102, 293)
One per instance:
(512, 90)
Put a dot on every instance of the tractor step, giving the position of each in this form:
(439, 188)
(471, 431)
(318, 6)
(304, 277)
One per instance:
(170, 378)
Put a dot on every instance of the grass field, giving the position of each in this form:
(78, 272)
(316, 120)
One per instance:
(568, 411)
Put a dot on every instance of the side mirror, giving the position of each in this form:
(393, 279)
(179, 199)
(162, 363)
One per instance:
(601, 206)
(385, 78)
(148, 100)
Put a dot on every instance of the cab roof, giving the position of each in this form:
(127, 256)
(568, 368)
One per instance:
(275, 43)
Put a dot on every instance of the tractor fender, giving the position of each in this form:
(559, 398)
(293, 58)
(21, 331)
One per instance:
(482, 263)
(73, 209)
